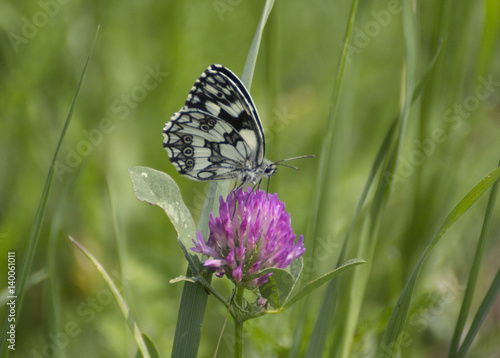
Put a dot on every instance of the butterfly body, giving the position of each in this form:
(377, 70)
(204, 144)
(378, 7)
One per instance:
(218, 134)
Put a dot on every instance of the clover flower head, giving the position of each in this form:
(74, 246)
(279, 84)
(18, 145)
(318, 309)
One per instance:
(252, 233)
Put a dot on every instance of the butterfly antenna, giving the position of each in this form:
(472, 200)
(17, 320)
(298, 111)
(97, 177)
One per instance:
(280, 162)
(301, 157)
(288, 166)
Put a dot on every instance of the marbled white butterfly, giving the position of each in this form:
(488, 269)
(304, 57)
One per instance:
(218, 133)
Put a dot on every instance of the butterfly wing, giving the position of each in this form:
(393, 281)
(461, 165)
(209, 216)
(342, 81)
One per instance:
(218, 133)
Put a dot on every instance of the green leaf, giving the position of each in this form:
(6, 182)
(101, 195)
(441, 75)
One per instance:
(296, 268)
(127, 314)
(270, 292)
(279, 286)
(153, 352)
(281, 283)
(311, 286)
(158, 188)
(391, 338)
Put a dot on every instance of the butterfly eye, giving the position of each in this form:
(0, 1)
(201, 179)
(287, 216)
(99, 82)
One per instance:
(205, 127)
(270, 169)
(211, 123)
(219, 94)
(188, 151)
(188, 139)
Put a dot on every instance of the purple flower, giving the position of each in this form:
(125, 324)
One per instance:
(256, 236)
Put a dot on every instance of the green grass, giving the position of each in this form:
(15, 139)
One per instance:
(445, 143)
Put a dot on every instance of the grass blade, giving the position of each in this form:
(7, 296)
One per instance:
(394, 331)
(326, 148)
(134, 328)
(326, 313)
(211, 204)
(35, 279)
(32, 243)
(311, 286)
(153, 352)
(483, 310)
(490, 34)
(371, 226)
(474, 273)
(317, 340)
(53, 302)
(247, 75)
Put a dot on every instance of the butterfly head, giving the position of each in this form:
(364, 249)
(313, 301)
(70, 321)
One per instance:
(254, 174)
(269, 169)
(266, 170)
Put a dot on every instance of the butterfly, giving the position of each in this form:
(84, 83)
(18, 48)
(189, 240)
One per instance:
(218, 134)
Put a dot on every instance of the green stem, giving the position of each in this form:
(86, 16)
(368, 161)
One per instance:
(191, 312)
(238, 326)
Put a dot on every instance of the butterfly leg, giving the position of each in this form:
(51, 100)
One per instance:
(267, 189)
(253, 188)
(238, 187)
(233, 191)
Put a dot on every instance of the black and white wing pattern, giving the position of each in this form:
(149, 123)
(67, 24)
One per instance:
(218, 134)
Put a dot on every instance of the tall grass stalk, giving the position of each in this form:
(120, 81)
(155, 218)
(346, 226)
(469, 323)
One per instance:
(317, 339)
(474, 273)
(34, 237)
(127, 314)
(391, 339)
(484, 309)
(352, 302)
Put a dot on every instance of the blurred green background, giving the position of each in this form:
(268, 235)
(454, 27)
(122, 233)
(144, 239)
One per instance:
(147, 56)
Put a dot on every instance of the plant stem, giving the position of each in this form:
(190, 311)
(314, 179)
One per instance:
(238, 326)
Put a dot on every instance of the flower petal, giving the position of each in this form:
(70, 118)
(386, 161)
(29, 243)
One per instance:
(253, 232)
